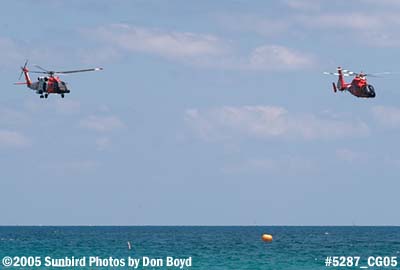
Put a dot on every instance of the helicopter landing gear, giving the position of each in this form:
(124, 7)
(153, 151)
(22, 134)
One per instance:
(46, 95)
(41, 96)
(62, 95)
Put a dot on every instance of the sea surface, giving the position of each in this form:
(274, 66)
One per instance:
(208, 247)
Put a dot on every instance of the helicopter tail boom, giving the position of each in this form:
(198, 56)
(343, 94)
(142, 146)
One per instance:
(341, 84)
(25, 71)
(27, 79)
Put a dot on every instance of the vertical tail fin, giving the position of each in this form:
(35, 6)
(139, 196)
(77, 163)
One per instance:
(341, 85)
(25, 71)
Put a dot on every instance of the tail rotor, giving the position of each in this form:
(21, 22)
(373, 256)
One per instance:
(22, 69)
(25, 71)
(341, 73)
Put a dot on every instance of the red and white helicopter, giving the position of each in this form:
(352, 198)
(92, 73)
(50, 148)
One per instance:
(50, 84)
(359, 86)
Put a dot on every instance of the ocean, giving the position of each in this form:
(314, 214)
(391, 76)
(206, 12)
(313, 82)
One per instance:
(197, 247)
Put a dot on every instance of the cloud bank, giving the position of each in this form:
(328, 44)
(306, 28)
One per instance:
(204, 50)
(268, 122)
(12, 139)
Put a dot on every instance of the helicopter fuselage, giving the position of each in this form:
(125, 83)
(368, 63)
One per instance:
(49, 85)
(361, 89)
(358, 87)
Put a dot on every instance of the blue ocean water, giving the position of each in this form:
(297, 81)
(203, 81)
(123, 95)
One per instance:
(209, 247)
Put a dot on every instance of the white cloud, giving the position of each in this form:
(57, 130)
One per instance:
(283, 164)
(12, 139)
(102, 143)
(252, 23)
(263, 58)
(379, 28)
(354, 21)
(9, 52)
(169, 44)
(351, 156)
(11, 117)
(98, 55)
(13, 54)
(389, 4)
(279, 57)
(204, 50)
(387, 116)
(72, 166)
(56, 104)
(269, 122)
(304, 5)
(102, 124)
(374, 24)
(67, 106)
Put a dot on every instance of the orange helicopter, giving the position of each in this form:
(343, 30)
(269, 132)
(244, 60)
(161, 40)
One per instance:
(50, 84)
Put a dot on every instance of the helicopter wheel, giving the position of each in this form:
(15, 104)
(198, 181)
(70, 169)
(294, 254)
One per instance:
(41, 96)
(62, 95)
(46, 95)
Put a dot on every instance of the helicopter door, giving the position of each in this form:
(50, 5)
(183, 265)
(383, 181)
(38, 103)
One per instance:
(45, 84)
(42, 85)
(56, 88)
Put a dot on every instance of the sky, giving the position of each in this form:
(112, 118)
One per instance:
(206, 113)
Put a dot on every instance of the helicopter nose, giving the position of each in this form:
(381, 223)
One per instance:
(371, 91)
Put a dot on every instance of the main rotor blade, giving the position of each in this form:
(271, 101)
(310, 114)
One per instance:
(377, 74)
(351, 73)
(348, 73)
(336, 74)
(51, 73)
(78, 70)
(39, 67)
(41, 72)
(330, 73)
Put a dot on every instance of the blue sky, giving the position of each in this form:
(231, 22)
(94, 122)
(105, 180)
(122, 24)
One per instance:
(206, 113)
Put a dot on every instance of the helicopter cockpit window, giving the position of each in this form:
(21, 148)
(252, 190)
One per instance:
(370, 88)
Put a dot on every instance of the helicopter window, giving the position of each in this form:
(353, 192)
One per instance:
(371, 88)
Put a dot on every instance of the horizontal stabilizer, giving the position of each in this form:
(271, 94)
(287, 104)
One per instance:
(334, 87)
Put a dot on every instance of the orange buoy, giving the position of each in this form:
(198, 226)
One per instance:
(266, 237)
